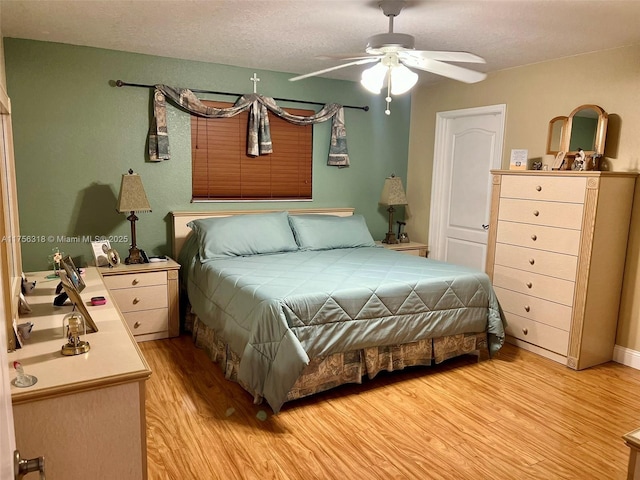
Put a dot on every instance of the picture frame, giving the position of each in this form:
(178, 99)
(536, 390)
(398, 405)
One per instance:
(559, 160)
(518, 160)
(78, 303)
(73, 273)
(100, 252)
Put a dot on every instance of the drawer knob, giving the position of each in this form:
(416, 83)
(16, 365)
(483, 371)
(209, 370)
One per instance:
(534, 237)
(136, 300)
(527, 308)
(135, 281)
(525, 331)
(536, 213)
(136, 325)
(539, 188)
(532, 261)
(529, 284)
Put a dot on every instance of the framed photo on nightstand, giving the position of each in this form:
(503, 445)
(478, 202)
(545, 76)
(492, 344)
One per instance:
(100, 251)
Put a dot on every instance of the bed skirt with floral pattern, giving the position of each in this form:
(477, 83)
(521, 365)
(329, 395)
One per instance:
(333, 370)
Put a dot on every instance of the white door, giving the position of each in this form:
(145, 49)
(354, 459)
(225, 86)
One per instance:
(468, 145)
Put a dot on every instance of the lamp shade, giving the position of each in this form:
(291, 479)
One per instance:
(402, 80)
(393, 192)
(373, 78)
(132, 196)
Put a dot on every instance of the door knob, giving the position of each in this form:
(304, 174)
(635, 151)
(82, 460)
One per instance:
(21, 466)
(485, 226)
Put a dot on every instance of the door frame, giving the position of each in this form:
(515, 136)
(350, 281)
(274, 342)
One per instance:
(437, 216)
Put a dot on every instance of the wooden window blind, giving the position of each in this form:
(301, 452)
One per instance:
(222, 170)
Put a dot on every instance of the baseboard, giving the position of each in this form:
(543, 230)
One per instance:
(626, 356)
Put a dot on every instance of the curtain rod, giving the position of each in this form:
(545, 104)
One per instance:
(120, 83)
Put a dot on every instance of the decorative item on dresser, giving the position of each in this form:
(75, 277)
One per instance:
(579, 137)
(147, 295)
(392, 195)
(554, 237)
(133, 199)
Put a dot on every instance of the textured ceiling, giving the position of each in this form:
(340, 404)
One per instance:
(290, 35)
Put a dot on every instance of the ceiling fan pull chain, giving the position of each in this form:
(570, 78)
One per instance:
(388, 99)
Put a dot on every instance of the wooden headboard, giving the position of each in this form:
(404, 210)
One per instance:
(180, 219)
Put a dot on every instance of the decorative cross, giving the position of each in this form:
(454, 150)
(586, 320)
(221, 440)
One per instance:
(255, 81)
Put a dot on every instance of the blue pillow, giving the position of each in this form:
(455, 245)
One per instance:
(323, 232)
(238, 235)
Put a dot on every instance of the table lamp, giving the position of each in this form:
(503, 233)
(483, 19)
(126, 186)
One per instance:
(133, 199)
(392, 194)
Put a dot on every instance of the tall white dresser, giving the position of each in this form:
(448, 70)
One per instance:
(556, 252)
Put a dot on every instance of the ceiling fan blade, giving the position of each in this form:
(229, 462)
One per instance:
(444, 56)
(330, 69)
(347, 56)
(444, 69)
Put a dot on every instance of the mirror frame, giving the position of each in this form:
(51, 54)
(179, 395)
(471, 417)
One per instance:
(563, 129)
(601, 131)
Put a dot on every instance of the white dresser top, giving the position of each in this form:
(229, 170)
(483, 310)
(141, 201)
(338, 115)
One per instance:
(114, 356)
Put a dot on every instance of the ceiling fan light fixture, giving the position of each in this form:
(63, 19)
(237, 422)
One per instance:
(373, 78)
(402, 80)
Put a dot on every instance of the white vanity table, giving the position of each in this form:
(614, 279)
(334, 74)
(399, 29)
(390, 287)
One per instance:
(86, 413)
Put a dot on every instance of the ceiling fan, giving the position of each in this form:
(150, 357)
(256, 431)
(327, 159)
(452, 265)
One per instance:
(394, 55)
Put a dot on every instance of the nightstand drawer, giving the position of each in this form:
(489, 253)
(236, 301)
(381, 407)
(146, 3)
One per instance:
(148, 321)
(135, 280)
(538, 334)
(141, 298)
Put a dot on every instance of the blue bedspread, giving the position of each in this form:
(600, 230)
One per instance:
(276, 311)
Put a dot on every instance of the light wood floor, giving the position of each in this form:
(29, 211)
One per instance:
(517, 416)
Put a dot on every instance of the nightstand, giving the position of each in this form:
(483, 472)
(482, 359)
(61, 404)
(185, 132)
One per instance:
(411, 248)
(147, 296)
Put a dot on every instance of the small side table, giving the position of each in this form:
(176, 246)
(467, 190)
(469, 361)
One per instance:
(632, 439)
(410, 248)
(147, 296)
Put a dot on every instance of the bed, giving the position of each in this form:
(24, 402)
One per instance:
(293, 303)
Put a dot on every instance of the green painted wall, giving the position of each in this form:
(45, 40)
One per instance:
(75, 134)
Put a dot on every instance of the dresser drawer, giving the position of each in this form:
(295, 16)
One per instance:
(541, 286)
(552, 214)
(543, 187)
(135, 280)
(553, 239)
(537, 333)
(148, 321)
(537, 261)
(141, 298)
(542, 311)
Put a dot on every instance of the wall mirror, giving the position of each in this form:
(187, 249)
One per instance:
(586, 128)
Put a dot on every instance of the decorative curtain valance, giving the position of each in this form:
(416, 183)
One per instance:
(259, 135)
